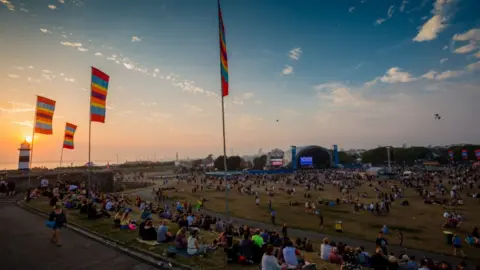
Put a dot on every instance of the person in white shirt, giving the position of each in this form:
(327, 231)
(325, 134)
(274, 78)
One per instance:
(325, 249)
(269, 262)
(193, 247)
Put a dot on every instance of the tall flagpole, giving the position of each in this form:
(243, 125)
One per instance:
(89, 141)
(225, 161)
(31, 144)
(61, 157)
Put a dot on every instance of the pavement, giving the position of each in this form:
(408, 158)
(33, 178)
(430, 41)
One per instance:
(25, 245)
(316, 236)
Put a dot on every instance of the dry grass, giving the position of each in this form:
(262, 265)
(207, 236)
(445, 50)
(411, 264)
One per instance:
(212, 261)
(421, 223)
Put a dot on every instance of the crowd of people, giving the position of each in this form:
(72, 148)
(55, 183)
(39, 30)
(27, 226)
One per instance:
(266, 247)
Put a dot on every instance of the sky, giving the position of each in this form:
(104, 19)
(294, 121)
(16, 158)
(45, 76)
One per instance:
(357, 73)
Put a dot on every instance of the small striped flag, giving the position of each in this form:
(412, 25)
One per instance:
(98, 98)
(70, 130)
(44, 115)
(223, 53)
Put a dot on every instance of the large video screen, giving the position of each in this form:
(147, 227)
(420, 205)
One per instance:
(306, 161)
(276, 162)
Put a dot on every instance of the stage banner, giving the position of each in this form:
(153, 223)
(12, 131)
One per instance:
(335, 155)
(465, 154)
(450, 154)
(294, 159)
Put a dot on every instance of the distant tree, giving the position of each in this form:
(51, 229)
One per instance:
(233, 163)
(259, 162)
(345, 158)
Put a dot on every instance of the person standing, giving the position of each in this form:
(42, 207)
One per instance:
(58, 220)
(273, 216)
(400, 238)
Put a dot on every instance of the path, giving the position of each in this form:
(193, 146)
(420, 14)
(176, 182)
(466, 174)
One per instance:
(316, 236)
(25, 245)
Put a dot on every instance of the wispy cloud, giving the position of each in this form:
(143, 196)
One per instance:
(472, 36)
(436, 24)
(474, 66)
(98, 54)
(443, 60)
(390, 12)
(82, 49)
(193, 108)
(136, 39)
(69, 79)
(45, 31)
(71, 44)
(295, 53)
(52, 7)
(351, 9)
(8, 5)
(287, 70)
(13, 76)
(397, 75)
(24, 123)
(61, 1)
(403, 5)
(17, 107)
(433, 75)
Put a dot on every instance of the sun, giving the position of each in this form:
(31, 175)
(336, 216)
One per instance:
(28, 139)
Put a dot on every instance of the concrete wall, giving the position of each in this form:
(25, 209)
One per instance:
(101, 181)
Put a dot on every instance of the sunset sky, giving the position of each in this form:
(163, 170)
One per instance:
(357, 73)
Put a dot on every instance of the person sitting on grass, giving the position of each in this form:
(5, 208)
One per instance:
(193, 245)
(181, 239)
(269, 262)
(325, 249)
(146, 231)
(125, 220)
(334, 257)
(163, 236)
(291, 255)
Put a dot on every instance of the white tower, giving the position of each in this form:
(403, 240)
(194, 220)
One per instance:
(24, 157)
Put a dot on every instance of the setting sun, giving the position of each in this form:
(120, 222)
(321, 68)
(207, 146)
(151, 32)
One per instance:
(28, 139)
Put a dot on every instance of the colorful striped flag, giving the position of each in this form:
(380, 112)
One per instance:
(223, 53)
(69, 134)
(44, 115)
(98, 98)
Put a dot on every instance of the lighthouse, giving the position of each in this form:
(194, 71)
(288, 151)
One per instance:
(24, 157)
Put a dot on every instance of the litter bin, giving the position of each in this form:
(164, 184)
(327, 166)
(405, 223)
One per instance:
(338, 226)
(448, 237)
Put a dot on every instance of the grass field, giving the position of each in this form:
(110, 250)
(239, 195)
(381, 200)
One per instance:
(128, 238)
(420, 223)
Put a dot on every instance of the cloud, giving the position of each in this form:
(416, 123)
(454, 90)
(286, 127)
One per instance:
(430, 29)
(295, 53)
(61, 1)
(443, 60)
(477, 54)
(466, 48)
(287, 70)
(339, 95)
(390, 12)
(45, 31)
(13, 76)
(433, 75)
(238, 101)
(17, 107)
(396, 75)
(8, 5)
(52, 7)
(136, 39)
(71, 44)
(403, 5)
(474, 66)
(158, 117)
(24, 123)
(69, 79)
(351, 9)
(129, 65)
(98, 54)
(247, 95)
(82, 49)
(247, 122)
(472, 34)
(193, 108)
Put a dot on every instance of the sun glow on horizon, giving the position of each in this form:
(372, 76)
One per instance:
(28, 139)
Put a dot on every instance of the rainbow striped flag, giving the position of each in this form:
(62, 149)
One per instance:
(98, 98)
(223, 53)
(69, 133)
(44, 115)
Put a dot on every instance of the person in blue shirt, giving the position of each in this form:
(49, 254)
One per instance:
(457, 245)
(163, 236)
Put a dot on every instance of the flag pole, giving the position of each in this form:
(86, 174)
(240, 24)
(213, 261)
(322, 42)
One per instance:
(61, 157)
(31, 145)
(89, 142)
(225, 169)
